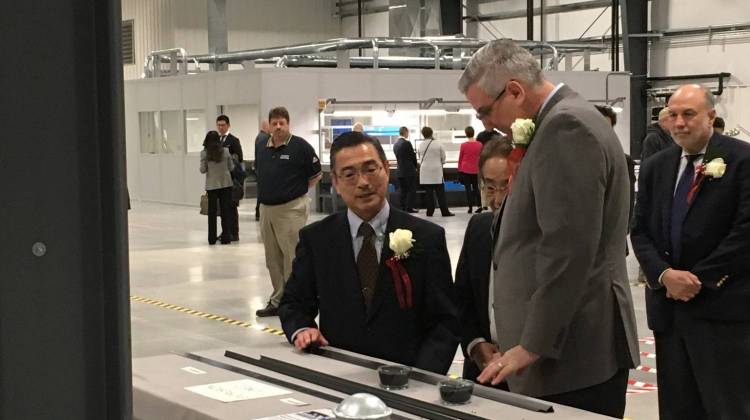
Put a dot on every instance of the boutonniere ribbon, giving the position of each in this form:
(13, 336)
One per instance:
(401, 242)
(714, 169)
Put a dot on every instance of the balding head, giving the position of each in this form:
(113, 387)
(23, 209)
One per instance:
(691, 109)
(265, 127)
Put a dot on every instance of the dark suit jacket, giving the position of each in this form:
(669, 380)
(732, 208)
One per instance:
(234, 146)
(472, 286)
(406, 157)
(715, 235)
(655, 141)
(324, 280)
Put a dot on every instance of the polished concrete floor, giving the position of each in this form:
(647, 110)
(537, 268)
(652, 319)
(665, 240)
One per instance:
(189, 296)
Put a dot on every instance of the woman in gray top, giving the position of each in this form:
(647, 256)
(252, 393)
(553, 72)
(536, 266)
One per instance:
(217, 164)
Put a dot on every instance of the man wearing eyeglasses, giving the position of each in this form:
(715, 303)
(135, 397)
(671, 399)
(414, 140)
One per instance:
(402, 311)
(562, 305)
(473, 280)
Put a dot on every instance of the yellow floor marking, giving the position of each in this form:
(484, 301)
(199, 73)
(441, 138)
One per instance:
(206, 315)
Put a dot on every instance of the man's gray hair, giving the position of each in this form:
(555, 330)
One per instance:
(496, 63)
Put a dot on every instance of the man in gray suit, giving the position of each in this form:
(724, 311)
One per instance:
(563, 309)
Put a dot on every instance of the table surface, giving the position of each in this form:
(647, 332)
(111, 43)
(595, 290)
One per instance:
(159, 388)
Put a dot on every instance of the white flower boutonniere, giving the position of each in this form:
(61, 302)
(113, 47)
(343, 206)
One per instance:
(523, 130)
(401, 242)
(715, 168)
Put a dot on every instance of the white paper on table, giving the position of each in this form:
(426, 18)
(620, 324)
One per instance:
(244, 389)
(194, 371)
(320, 414)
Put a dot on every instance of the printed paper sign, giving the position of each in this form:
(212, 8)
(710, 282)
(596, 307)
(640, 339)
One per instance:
(244, 389)
(322, 414)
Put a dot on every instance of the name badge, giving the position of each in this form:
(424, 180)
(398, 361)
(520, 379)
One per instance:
(285, 157)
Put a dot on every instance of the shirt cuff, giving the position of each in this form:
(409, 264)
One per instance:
(473, 343)
(297, 332)
(661, 283)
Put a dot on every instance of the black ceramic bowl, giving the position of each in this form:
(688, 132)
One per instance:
(455, 391)
(394, 376)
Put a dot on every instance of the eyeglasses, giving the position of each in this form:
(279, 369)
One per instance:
(483, 111)
(493, 189)
(351, 175)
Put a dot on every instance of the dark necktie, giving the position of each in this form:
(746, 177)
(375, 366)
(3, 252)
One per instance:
(680, 207)
(223, 138)
(367, 262)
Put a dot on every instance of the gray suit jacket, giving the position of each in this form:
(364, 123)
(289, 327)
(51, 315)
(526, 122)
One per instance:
(561, 285)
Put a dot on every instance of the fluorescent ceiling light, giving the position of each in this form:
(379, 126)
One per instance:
(192, 118)
(396, 7)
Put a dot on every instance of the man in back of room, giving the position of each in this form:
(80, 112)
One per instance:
(232, 143)
(287, 168)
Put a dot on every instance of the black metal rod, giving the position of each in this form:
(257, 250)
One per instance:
(395, 401)
(359, 22)
(530, 20)
(720, 76)
(688, 77)
(432, 379)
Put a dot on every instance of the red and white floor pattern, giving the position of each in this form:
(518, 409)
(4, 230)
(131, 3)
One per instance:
(641, 383)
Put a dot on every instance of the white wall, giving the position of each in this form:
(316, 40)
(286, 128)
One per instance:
(251, 24)
(721, 53)
(151, 30)
(175, 178)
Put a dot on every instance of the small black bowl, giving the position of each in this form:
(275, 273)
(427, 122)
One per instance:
(394, 376)
(455, 391)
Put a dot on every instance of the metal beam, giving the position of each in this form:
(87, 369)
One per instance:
(529, 19)
(550, 10)
(634, 17)
(64, 305)
(218, 39)
(472, 26)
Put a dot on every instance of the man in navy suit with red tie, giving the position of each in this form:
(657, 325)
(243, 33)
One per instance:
(691, 235)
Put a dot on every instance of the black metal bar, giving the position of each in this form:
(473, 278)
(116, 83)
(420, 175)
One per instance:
(718, 92)
(541, 30)
(359, 22)
(395, 401)
(634, 20)
(433, 379)
(688, 77)
(64, 304)
(529, 20)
